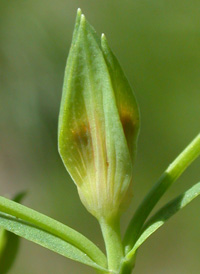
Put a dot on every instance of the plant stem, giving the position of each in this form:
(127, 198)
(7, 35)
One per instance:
(112, 238)
(190, 153)
(127, 265)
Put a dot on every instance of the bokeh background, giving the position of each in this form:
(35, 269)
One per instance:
(158, 45)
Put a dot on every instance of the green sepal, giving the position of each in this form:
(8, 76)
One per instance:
(125, 99)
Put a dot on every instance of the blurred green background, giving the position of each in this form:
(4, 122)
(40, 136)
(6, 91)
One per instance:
(158, 45)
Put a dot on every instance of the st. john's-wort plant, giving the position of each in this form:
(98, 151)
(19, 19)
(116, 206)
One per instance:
(98, 128)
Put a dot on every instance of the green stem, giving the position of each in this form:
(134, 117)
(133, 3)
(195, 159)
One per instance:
(113, 243)
(190, 153)
(127, 265)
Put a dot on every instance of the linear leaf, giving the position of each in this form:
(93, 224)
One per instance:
(20, 217)
(45, 239)
(188, 155)
(167, 211)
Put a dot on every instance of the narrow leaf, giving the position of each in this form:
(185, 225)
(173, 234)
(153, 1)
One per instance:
(189, 154)
(167, 211)
(45, 239)
(52, 227)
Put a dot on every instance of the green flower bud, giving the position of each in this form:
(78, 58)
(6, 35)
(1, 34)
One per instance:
(98, 123)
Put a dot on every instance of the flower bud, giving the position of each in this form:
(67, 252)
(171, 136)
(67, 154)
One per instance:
(98, 123)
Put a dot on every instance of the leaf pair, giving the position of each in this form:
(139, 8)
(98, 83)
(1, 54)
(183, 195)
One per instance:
(167, 211)
(139, 230)
(49, 233)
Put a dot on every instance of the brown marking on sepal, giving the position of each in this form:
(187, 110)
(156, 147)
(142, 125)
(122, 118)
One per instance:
(82, 135)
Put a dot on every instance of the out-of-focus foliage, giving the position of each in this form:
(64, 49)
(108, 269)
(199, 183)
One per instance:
(158, 45)
(9, 244)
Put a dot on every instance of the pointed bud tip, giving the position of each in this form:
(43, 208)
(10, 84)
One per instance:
(83, 19)
(78, 17)
(104, 42)
(79, 12)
